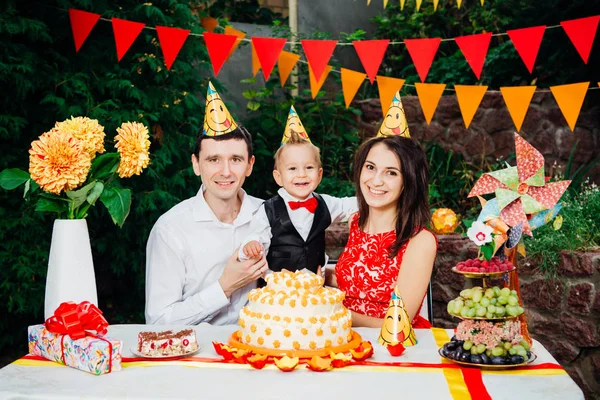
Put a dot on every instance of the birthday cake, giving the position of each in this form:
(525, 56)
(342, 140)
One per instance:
(295, 312)
(167, 343)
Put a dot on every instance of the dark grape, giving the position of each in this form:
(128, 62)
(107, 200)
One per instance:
(517, 360)
(460, 350)
(444, 352)
(451, 346)
(460, 342)
(453, 338)
(497, 360)
(465, 357)
(484, 358)
(452, 355)
(476, 359)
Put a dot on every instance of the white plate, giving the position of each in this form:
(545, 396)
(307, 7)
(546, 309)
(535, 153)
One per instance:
(189, 353)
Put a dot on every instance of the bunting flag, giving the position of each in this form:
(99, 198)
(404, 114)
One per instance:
(219, 47)
(351, 82)
(582, 32)
(422, 52)
(209, 23)
(429, 96)
(371, 54)
(517, 99)
(125, 34)
(229, 30)
(287, 61)
(267, 52)
(387, 89)
(255, 62)
(171, 41)
(527, 42)
(458, 3)
(402, 5)
(570, 99)
(435, 4)
(384, 3)
(82, 23)
(315, 85)
(419, 4)
(318, 53)
(475, 48)
(469, 98)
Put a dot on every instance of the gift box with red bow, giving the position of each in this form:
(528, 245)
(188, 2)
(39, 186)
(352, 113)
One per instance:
(74, 336)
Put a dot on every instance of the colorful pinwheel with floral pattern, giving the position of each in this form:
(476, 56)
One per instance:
(520, 190)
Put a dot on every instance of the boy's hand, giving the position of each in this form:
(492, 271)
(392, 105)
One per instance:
(253, 249)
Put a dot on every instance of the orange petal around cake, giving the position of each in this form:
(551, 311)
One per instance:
(395, 349)
(319, 364)
(286, 363)
(241, 356)
(362, 352)
(257, 361)
(339, 360)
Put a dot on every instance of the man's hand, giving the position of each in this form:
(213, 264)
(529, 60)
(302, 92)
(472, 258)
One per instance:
(238, 274)
(253, 249)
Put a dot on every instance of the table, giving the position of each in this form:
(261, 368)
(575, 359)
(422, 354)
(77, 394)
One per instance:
(418, 373)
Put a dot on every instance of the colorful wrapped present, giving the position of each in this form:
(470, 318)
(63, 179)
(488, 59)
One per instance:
(66, 338)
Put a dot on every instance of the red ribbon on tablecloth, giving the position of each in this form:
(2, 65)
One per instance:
(76, 320)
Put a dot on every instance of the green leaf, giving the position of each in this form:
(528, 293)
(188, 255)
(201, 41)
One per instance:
(95, 193)
(468, 223)
(104, 166)
(80, 196)
(117, 202)
(13, 178)
(253, 105)
(488, 250)
(51, 205)
(27, 187)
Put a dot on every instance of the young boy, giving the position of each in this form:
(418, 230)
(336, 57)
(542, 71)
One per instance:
(290, 227)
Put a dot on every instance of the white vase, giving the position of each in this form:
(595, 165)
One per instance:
(70, 266)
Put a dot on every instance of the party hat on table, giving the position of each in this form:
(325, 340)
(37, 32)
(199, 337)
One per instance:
(397, 328)
(217, 119)
(293, 124)
(394, 123)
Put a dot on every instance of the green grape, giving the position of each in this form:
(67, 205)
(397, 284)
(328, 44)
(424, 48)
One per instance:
(474, 350)
(493, 301)
(513, 300)
(489, 315)
(513, 351)
(505, 292)
(524, 344)
(484, 302)
(477, 295)
(450, 307)
(489, 293)
(522, 353)
(497, 351)
(520, 310)
(502, 300)
(469, 303)
(507, 345)
(491, 308)
(466, 293)
(459, 303)
(488, 352)
(514, 292)
(500, 311)
(512, 311)
(480, 348)
(480, 311)
(471, 312)
(467, 345)
(464, 312)
(496, 290)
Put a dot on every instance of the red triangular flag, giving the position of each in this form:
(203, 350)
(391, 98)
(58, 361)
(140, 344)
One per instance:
(371, 54)
(219, 46)
(267, 51)
(171, 41)
(318, 53)
(527, 42)
(125, 34)
(582, 32)
(82, 23)
(422, 52)
(475, 48)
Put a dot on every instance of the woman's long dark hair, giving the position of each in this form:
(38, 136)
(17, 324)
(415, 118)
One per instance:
(413, 203)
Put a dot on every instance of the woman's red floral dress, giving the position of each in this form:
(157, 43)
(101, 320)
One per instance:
(367, 275)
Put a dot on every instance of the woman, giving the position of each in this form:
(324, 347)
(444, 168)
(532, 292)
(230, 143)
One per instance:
(388, 244)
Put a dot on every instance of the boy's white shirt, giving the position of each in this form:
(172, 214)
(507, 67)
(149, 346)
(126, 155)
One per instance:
(301, 218)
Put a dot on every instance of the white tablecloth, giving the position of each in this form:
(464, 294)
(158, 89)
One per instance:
(224, 381)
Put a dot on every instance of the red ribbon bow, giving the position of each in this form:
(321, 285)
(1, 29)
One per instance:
(310, 204)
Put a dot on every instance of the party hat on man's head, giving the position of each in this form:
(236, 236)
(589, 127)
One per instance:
(394, 122)
(294, 124)
(217, 119)
(397, 328)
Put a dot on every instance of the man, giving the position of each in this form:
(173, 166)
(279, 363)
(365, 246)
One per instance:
(192, 271)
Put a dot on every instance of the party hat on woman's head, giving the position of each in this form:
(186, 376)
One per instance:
(397, 328)
(394, 122)
(217, 119)
(294, 124)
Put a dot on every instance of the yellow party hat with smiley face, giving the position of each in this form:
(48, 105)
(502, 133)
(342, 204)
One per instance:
(394, 122)
(217, 119)
(294, 124)
(397, 327)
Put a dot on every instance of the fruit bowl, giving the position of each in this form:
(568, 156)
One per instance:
(503, 355)
(490, 303)
(532, 358)
(468, 274)
(479, 268)
(504, 318)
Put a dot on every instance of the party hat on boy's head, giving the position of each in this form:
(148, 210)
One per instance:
(394, 122)
(397, 328)
(294, 124)
(217, 119)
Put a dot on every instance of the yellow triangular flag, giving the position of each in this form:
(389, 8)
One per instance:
(419, 4)
(570, 99)
(368, 2)
(458, 3)
(229, 30)
(429, 96)
(351, 82)
(398, 328)
(482, 3)
(387, 89)
(517, 99)
(385, 3)
(287, 62)
(255, 61)
(435, 4)
(402, 5)
(469, 98)
(314, 85)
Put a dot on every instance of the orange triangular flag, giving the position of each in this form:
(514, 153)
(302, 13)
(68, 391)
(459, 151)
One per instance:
(351, 82)
(570, 99)
(255, 62)
(314, 85)
(429, 96)
(387, 89)
(209, 23)
(517, 99)
(469, 98)
(229, 30)
(287, 61)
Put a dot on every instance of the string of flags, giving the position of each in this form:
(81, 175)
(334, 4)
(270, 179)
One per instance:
(267, 52)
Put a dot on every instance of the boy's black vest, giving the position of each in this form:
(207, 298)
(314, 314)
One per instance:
(288, 250)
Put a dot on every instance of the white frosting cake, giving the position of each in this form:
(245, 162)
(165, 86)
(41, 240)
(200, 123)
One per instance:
(295, 312)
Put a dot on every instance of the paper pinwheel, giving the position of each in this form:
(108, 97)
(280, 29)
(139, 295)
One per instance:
(520, 190)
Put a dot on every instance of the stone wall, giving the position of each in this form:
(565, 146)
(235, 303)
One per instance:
(491, 131)
(563, 314)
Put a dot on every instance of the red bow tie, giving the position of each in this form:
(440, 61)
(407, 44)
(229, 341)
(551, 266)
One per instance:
(310, 204)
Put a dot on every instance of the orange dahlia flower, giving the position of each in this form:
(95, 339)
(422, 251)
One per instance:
(133, 145)
(89, 131)
(58, 161)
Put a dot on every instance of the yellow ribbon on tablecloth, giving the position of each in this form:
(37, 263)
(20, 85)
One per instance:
(454, 377)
